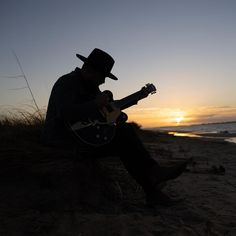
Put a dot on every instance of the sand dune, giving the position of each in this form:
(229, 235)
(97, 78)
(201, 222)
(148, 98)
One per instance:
(38, 194)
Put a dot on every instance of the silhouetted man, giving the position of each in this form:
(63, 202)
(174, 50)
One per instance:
(76, 97)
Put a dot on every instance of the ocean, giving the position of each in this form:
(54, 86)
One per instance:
(224, 130)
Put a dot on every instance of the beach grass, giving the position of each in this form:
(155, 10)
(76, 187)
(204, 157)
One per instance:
(22, 118)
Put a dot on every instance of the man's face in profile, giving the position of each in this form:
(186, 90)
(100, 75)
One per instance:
(93, 76)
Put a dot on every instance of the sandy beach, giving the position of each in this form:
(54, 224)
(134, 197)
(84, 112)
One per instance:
(207, 189)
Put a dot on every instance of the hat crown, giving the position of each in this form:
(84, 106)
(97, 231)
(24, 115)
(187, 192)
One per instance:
(101, 61)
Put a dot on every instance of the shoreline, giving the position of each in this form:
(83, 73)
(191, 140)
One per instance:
(221, 136)
(223, 131)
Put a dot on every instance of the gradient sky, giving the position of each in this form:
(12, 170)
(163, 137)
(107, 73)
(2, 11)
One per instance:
(187, 48)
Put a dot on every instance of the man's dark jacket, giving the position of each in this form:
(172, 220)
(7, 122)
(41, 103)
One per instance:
(71, 100)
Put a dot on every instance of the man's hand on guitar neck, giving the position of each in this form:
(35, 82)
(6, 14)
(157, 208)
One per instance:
(144, 92)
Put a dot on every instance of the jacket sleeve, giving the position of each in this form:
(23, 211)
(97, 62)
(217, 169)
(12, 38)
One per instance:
(68, 109)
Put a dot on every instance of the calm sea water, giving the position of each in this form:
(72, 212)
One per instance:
(224, 129)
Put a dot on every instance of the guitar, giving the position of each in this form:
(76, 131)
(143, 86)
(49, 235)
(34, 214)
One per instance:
(96, 132)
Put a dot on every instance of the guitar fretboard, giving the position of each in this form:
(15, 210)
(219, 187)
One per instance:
(128, 101)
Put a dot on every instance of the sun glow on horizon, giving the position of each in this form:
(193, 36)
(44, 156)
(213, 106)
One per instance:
(176, 117)
(179, 119)
(161, 117)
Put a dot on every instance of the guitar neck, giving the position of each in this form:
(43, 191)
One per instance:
(129, 100)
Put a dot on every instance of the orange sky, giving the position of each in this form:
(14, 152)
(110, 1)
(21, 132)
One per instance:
(155, 117)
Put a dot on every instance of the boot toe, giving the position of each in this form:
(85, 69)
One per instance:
(159, 198)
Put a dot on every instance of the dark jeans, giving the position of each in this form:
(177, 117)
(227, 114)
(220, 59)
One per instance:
(128, 146)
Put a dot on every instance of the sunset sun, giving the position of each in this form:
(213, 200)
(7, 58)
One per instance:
(179, 119)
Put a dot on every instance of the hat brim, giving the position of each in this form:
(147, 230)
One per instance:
(111, 76)
(84, 59)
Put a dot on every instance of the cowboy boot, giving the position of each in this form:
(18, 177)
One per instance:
(158, 174)
(158, 177)
(159, 198)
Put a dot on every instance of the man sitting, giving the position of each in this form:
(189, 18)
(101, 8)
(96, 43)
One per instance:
(76, 97)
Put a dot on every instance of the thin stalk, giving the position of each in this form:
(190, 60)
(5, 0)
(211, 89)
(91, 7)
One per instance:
(26, 80)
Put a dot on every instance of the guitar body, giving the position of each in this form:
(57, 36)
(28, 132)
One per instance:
(111, 113)
(97, 133)
(94, 134)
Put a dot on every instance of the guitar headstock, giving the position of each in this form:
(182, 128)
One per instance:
(149, 88)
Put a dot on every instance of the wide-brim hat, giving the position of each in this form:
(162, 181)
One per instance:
(101, 61)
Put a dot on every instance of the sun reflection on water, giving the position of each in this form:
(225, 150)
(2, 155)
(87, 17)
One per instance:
(180, 134)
